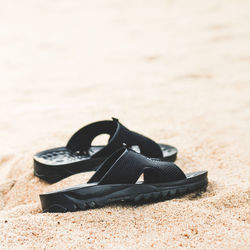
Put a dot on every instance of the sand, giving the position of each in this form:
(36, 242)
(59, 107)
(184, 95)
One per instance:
(176, 71)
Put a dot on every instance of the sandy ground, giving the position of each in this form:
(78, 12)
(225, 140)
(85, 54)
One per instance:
(177, 71)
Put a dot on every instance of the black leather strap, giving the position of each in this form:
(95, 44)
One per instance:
(126, 166)
(119, 134)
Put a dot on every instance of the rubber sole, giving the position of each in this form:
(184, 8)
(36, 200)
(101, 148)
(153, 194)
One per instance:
(56, 164)
(53, 174)
(93, 196)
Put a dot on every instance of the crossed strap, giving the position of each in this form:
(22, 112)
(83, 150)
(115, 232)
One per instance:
(125, 166)
(119, 134)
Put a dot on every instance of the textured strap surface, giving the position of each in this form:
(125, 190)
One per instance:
(126, 166)
(119, 134)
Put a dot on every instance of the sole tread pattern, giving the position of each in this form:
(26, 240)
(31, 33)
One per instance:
(77, 205)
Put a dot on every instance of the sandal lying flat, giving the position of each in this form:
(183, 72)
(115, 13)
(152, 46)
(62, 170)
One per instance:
(80, 156)
(116, 181)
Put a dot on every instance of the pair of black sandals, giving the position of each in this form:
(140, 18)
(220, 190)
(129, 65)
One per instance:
(118, 166)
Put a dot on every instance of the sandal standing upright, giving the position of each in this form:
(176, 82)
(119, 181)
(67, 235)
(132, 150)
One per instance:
(79, 155)
(117, 180)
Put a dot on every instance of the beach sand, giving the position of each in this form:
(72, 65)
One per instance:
(176, 71)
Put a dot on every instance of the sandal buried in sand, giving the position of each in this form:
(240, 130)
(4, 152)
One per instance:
(80, 156)
(116, 181)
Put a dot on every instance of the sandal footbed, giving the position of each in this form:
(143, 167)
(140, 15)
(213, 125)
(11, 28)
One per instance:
(91, 195)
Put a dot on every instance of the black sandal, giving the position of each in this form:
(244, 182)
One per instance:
(79, 156)
(116, 181)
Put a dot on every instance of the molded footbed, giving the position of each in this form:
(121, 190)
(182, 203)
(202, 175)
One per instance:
(56, 164)
(63, 156)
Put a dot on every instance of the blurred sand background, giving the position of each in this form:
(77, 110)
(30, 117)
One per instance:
(177, 71)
